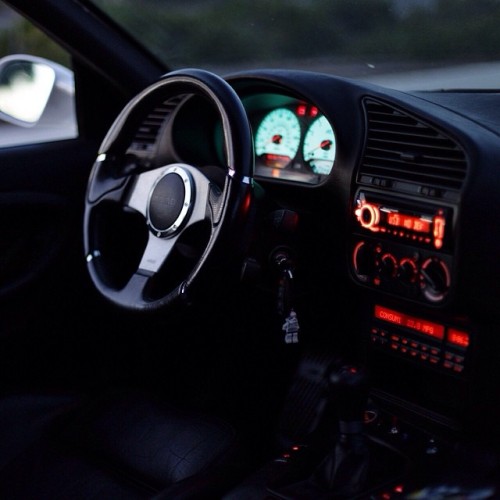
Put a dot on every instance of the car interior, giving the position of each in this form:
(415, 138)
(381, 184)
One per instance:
(266, 284)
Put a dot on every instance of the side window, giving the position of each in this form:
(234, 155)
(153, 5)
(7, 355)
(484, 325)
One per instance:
(37, 102)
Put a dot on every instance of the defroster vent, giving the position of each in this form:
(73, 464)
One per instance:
(406, 154)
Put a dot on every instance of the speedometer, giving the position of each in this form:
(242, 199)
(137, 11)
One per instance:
(278, 138)
(320, 146)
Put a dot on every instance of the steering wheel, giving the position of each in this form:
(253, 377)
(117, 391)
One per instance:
(165, 203)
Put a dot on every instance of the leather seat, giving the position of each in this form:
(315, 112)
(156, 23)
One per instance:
(120, 446)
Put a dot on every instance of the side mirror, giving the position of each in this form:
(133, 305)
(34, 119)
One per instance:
(26, 85)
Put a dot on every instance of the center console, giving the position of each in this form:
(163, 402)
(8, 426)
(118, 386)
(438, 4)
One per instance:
(402, 434)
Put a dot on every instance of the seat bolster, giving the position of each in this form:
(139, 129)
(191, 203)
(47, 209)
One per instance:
(128, 446)
(145, 438)
(25, 418)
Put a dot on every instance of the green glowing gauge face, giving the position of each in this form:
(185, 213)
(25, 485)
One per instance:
(278, 138)
(320, 146)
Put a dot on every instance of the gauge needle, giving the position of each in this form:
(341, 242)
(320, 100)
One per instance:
(325, 145)
(276, 139)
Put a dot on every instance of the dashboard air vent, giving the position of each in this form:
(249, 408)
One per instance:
(144, 140)
(406, 154)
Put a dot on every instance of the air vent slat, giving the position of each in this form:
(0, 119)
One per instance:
(434, 154)
(430, 178)
(146, 136)
(420, 149)
(401, 147)
(408, 134)
(401, 165)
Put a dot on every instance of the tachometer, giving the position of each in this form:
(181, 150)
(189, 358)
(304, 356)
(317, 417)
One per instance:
(277, 138)
(320, 146)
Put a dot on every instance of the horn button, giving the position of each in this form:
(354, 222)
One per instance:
(170, 202)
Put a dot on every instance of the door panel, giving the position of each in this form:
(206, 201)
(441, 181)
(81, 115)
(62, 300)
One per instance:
(34, 230)
(44, 287)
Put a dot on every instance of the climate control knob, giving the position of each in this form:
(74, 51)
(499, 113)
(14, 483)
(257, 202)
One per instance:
(364, 261)
(407, 271)
(434, 279)
(388, 266)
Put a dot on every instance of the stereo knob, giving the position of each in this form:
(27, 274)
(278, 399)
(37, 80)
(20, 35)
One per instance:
(434, 279)
(368, 216)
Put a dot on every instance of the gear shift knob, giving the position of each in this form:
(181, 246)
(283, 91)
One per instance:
(349, 385)
(344, 470)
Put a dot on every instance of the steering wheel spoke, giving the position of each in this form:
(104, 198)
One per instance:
(134, 291)
(201, 209)
(139, 191)
(156, 253)
(113, 191)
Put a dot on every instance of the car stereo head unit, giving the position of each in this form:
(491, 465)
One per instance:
(428, 225)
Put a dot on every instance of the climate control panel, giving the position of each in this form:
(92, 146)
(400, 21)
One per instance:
(398, 269)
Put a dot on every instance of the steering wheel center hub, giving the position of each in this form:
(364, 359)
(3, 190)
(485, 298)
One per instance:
(170, 202)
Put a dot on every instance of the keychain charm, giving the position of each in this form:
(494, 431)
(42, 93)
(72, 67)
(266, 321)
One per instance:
(291, 328)
(284, 303)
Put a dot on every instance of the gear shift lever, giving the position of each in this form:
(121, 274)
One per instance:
(350, 391)
(344, 470)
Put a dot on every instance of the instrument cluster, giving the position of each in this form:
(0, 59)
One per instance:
(294, 141)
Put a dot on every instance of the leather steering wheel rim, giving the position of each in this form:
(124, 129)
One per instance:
(172, 197)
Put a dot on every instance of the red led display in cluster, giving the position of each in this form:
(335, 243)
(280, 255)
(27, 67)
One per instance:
(304, 110)
(301, 110)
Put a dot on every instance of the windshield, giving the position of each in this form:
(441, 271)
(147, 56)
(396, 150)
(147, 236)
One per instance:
(405, 44)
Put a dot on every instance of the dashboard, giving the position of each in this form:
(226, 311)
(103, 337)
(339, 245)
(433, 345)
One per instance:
(401, 182)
